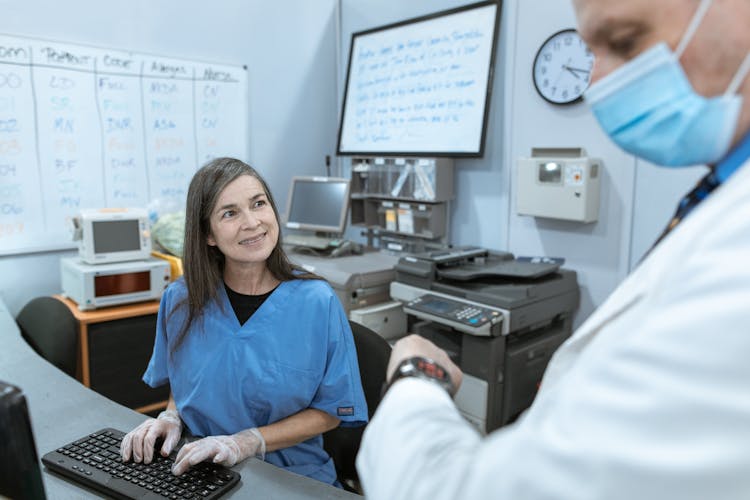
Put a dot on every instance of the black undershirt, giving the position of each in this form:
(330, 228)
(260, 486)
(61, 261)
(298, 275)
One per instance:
(245, 305)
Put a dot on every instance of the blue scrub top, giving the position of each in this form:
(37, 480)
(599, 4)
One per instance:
(295, 352)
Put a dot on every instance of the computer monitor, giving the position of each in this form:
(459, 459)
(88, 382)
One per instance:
(318, 204)
(422, 86)
(20, 472)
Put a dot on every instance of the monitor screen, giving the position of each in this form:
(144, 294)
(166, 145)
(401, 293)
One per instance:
(421, 86)
(116, 236)
(318, 204)
(20, 472)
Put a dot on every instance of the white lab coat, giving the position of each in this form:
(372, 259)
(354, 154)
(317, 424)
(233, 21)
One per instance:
(649, 399)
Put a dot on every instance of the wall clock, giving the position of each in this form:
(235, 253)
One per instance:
(562, 67)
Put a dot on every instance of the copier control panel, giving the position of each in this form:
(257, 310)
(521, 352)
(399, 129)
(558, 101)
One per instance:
(463, 316)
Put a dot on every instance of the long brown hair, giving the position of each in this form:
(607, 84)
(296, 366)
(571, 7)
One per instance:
(203, 265)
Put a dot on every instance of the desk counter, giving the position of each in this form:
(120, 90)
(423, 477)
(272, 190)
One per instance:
(63, 410)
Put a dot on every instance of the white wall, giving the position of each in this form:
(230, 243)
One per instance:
(296, 81)
(289, 48)
(637, 199)
(657, 191)
(599, 251)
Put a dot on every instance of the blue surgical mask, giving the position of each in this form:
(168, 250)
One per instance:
(649, 108)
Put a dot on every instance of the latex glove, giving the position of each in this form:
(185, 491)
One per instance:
(414, 345)
(140, 441)
(224, 450)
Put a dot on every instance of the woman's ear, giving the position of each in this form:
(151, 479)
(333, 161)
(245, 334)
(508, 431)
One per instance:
(210, 240)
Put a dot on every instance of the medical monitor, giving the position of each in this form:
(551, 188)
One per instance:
(20, 472)
(112, 235)
(422, 86)
(318, 204)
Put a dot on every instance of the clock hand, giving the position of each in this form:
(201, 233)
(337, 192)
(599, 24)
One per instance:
(572, 71)
(579, 70)
(560, 74)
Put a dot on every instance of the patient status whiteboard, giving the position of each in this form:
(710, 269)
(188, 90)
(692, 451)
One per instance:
(84, 127)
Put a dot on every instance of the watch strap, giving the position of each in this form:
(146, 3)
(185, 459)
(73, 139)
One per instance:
(423, 368)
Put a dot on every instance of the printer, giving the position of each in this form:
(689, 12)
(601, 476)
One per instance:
(358, 280)
(499, 318)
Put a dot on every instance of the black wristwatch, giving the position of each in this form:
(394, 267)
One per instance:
(424, 368)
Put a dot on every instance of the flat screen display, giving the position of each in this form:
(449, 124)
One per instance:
(440, 306)
(118, 284)
(421, 86)
(116, 236)
(318, 204)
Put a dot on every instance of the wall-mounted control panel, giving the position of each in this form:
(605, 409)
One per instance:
(559, 183)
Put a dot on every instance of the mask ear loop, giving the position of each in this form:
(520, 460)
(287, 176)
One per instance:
(739, 77)
(744, 68)
(692, 27)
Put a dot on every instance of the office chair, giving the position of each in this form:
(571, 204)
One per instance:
(342, 443)
(51, 330)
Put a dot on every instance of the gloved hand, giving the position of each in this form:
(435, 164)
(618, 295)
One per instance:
(224, 450)
(140, 441)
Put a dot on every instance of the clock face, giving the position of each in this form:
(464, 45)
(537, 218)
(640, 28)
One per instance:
(562, 67)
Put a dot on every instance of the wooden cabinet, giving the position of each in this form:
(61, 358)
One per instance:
(115, 345)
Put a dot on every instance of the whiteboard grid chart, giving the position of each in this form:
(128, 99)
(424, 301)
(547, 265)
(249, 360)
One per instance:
(84, 127)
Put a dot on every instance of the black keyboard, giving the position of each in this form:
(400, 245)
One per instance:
(95, 461)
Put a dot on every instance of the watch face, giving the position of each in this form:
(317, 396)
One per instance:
(562, 67)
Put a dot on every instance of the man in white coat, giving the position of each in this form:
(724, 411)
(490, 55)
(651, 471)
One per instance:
(650, 397)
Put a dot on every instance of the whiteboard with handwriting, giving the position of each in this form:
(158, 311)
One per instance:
(84, 127)
(421, 86)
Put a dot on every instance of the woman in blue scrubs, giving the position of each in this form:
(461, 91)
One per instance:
(258, 353)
